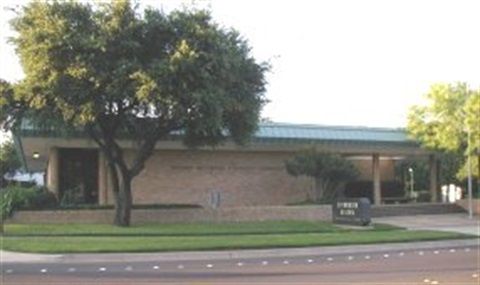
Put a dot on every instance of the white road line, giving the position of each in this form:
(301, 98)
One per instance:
(180, 266)
(8, 271)
(401, 254)
(329, 259)
(240, 264)
(467, 249)
(71, 269)
(452, 250)
(264, 262)
(102, 269)
(310, 260)
(436, 252)
(474, 275)
(386, 255)
(434, 282)
(156, 267)
(350, 258)
(426, 280)
(367, 256)
(286, 262)
(128, 268)
(209, 265)
(420, 253)
(44, 270)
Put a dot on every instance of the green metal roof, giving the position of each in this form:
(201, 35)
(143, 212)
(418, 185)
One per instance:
(299, 132)
(279, 132)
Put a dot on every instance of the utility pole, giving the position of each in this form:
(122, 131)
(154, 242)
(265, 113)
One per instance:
(469, 166)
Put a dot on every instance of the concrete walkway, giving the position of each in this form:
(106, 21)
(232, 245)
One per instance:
(459, 223)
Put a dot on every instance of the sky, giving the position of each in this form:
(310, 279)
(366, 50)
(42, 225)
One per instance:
(339, 62)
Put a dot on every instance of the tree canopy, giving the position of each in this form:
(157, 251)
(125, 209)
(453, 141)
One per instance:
(115, 71)
(449, 118)
(328, 170)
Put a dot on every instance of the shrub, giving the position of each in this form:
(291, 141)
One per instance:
(18, 197)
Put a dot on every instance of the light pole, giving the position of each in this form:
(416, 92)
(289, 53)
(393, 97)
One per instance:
(410, 171)
(469, 166)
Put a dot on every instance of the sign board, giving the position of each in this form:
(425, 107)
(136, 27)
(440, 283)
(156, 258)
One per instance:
(351, 211)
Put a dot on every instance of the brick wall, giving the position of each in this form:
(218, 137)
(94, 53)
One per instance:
(241, 178)
(236, 214)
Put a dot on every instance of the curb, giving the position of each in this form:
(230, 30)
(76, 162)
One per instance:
(13, 257)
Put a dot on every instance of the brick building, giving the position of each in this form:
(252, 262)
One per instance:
(227, 175)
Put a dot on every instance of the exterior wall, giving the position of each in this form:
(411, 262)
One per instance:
(241, 178)
(53, 171)
(475, 205)
(241, 214)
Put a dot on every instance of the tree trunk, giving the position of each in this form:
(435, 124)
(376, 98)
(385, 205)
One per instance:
(123, 203)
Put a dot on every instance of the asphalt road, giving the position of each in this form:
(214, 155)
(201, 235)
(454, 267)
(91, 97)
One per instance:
(455, 265)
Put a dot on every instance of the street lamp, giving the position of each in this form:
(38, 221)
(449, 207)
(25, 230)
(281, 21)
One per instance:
(410, 170)
(469, 185)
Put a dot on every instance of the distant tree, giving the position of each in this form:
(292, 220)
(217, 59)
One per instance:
(9, 161)
(330, 171)
(116, 73)
(444, 122)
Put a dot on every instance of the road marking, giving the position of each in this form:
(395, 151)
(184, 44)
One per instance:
(426, 280)
(420, 253)
(467, 249)
(475, 275)
(286, 262)
(434, 282)
(209, 265)
(329, 259)
(401, 254)
(350, 257)
(310, 260)
(367, 256)
(436, 252)
(264, 262)
(44, 270)
(128, 268)
(102, 269)
(180, 266)
(452, 250)
(8, 271)
(71, 269)
(386, 255)
(240, 264)
(156, 267)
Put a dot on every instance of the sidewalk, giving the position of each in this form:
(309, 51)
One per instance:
(459, 223)
(13, 257)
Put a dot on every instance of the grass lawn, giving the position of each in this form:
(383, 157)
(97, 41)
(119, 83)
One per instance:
(156, 238)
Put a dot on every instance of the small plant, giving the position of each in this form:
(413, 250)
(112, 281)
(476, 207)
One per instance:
(18, 197)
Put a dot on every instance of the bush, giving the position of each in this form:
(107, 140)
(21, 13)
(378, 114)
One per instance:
(18, 197)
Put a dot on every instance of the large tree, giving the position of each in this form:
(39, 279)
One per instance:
(446, 122)
(116, 72)
(330, 172)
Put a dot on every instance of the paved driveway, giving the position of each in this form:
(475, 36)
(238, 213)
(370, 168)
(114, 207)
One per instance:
(449, 222)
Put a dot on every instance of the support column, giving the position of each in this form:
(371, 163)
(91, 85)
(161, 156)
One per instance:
(377, 193)
(102, 179)
(432, 163)
(53, 171)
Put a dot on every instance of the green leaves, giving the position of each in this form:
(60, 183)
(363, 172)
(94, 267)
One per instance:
(443, 123)
(329, 171)
(329, 166)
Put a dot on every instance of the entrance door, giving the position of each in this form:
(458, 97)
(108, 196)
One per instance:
(78, 176)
